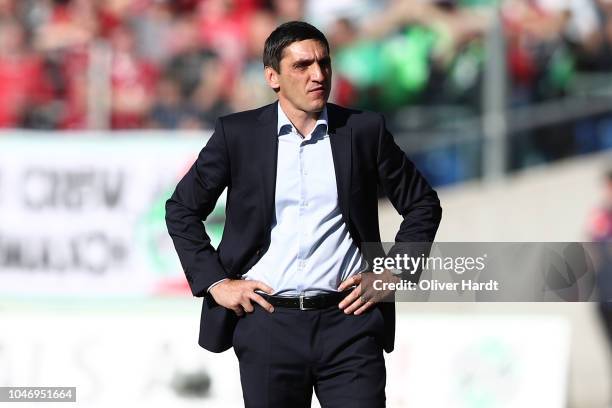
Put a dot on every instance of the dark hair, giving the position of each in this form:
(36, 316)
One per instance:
(286, 34)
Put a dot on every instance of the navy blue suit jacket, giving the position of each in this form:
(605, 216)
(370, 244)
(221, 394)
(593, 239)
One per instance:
(241, 155)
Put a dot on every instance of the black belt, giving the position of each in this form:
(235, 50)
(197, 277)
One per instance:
(304, 302)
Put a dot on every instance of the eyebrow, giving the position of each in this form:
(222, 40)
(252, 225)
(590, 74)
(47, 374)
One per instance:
(308, 61)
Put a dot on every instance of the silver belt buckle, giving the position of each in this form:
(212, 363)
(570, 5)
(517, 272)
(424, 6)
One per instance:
(302, 296)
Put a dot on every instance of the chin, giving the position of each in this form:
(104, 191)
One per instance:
(318, 105)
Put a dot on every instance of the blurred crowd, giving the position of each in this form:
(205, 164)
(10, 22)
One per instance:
(170, 64)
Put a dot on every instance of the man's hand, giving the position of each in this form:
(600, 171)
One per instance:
(364, 295)
(237, 294)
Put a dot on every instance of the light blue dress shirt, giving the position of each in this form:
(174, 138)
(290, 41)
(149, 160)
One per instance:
(311, 250)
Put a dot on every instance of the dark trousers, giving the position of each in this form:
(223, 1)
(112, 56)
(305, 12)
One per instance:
(285, 354)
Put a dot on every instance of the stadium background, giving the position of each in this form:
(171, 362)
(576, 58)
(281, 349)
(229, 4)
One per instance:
(504, 105)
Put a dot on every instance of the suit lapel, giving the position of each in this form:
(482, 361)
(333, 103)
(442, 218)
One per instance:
(269, 152)
(340, 137)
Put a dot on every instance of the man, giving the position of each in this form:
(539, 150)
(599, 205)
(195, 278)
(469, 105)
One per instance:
(283, 286)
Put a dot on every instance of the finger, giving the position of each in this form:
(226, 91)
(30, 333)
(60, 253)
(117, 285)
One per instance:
(352, 281)
(365, 307)
(350, 298)
(262, 286)
(357, 303)
(247, 306)
(239, 311)
(349, 282)
(262, 302)
(369, 294)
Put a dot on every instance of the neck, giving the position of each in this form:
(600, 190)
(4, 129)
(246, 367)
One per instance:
(303, 121)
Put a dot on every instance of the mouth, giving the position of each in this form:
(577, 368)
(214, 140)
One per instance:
(317, 90)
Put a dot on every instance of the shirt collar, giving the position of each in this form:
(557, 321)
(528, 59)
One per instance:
(285, 126)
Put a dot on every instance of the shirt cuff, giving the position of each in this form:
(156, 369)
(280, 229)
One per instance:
(215, 284)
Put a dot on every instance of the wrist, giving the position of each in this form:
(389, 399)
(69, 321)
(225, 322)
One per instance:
(214, 287)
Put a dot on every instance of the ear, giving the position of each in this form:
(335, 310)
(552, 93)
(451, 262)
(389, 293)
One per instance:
(272, 78)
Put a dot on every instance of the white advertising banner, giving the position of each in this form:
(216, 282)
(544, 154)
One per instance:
(83, 214)
(141, 359)
(500, 361)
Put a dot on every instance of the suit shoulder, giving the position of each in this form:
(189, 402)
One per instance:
(246, 116)
(355, 116)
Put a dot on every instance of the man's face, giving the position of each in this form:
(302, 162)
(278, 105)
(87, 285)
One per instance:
(304, 80)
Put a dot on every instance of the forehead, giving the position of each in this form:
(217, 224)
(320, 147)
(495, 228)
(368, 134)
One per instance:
(306, 49)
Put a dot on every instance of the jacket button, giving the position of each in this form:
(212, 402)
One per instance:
(258, 252)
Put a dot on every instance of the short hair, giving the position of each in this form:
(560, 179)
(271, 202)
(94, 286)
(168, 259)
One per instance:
(285, 35)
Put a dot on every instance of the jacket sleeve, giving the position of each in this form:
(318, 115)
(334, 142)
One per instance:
(412, 197)
(193, 200)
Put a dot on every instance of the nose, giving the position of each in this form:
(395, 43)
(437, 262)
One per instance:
(317, 73)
